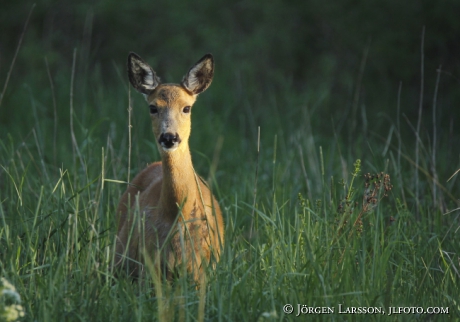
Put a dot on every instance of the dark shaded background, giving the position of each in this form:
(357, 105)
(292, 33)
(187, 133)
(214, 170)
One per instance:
(339, 55)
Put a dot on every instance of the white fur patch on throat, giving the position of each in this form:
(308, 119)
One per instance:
(174, 148)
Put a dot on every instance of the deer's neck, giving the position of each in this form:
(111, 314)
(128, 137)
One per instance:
(179, 186)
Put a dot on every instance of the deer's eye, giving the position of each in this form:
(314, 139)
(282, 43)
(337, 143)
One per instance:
(186, 109)
(153, 109)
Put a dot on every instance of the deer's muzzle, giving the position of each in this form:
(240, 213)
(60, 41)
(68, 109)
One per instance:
(169, 141)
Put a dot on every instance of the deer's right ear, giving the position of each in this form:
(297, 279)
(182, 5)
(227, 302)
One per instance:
(199, 77)
(141, 75)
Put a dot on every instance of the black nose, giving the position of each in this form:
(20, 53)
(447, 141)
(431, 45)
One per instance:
(168, 140)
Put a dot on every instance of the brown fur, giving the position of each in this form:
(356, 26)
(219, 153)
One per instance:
(176, 211)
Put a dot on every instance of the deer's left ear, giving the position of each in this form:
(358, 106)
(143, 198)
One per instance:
(199, 77)
(141, 75)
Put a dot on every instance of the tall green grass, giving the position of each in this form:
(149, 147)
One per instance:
(303, 224)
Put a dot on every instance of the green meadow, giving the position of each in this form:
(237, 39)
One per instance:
(329, 136)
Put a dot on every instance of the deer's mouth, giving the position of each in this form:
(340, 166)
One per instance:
(169, 141)
(174, 148)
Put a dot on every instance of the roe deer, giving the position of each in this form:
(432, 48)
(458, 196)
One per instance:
(178, 219)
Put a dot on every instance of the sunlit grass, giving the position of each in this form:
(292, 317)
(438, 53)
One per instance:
(314, 232)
